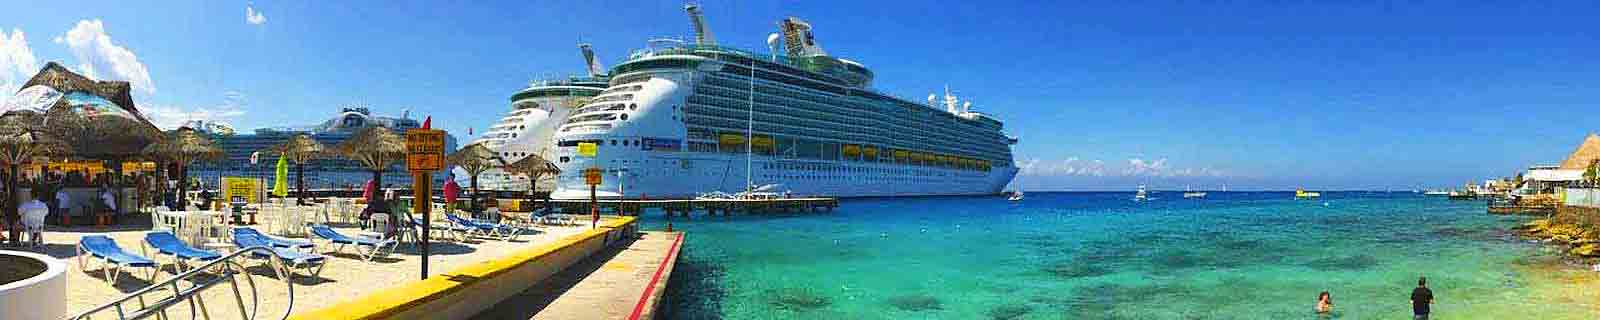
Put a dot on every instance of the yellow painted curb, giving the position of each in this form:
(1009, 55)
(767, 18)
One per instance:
(389, 302)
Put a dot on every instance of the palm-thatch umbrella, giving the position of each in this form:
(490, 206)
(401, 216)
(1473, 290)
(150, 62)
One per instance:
(22, 142)
(475, 159)
(534, 167)
(300, 149)
(375, 148)
(182, 147)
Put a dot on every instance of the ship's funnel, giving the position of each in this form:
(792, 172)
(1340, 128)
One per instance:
(797, 38)
(588, 60)
(702, 34)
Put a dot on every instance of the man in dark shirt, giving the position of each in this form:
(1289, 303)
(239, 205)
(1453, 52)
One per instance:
(1421, 299)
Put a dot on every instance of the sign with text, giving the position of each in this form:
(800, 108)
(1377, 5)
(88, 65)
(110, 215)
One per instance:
(247, 189)
(592, 176)
(424, 149)
(587, 149)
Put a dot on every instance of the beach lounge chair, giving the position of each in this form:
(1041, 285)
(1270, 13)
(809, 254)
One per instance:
(374, 246)
(168, 244)
(546, 218)
(276, 242)
(487, 229)
(112, 257)
(458, 232)
(291, 259)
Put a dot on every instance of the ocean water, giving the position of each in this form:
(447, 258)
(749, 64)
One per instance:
(1237, 255)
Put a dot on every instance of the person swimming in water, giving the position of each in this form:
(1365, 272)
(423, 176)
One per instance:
(1324, 302)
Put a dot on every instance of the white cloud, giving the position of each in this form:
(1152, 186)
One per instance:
(1135, 167)
(254, 17)
(103, 59)
(1069, 167)
(168, 117)
(17, 63)
(1140, 167)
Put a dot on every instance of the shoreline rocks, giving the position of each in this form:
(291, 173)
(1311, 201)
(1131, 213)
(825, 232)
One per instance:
(1574, 241)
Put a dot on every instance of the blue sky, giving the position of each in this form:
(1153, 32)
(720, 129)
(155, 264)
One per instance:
(1103, 95)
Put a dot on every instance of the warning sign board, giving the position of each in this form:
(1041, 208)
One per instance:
(424, 149)
(592, 176)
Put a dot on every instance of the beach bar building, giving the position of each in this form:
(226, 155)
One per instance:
(100, 126)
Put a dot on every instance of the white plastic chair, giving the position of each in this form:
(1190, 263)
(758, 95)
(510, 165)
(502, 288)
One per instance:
(33, 226)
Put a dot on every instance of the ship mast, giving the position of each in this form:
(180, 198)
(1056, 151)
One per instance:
(588, 60)
(697, 19)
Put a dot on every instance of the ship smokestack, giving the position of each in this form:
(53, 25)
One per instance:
(797, 38)
(702, 34)
(588, 60)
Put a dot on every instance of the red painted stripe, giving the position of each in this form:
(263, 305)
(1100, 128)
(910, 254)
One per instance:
(644, 298)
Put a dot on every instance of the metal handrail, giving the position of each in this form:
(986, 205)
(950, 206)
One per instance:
(231, 269)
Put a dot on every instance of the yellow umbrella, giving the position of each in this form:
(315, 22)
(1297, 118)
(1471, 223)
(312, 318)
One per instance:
(280, 185)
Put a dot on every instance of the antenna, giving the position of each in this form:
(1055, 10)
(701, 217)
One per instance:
(697, 19)
(588, 60)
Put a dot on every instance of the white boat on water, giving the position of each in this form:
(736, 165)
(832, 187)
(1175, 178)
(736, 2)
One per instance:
(1190, 194)
(1141, 195)
(1015, 196)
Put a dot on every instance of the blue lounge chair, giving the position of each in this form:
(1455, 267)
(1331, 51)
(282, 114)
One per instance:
(166, 243)
(276, 242)
(112, 257)
(291, 259)
(375, 246)
(456, 231)
(547, 218)
(486, 229)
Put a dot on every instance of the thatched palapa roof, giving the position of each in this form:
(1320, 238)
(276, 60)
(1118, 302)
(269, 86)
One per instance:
(56, 76)
(1587, 153)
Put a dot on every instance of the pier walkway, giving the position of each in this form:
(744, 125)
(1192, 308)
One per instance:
(710, 206)
(626, 281)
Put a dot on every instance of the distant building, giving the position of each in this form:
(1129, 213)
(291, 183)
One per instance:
(329, 172)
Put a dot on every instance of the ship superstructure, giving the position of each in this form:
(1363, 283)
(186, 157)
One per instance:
(681, 118)
(536, 112)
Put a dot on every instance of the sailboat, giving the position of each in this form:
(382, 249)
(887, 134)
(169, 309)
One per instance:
(1016, 195)
(1190, 194)
(1141, 195)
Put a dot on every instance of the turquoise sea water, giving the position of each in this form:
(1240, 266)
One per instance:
(1102, 256)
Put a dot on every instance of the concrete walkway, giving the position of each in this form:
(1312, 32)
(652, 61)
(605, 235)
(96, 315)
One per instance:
(608, 285)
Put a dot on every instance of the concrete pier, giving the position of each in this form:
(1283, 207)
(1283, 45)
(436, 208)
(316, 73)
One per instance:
(627, 281)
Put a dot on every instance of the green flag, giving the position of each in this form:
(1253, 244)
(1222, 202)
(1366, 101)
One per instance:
(280, 184)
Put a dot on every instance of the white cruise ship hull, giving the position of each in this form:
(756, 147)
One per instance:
(685, 175)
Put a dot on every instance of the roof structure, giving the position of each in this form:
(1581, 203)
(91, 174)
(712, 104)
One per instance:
(56, 76)
(1587, 153)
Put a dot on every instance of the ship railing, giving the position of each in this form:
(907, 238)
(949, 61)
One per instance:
(187, 287)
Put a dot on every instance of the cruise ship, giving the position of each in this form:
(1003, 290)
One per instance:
(682, 118)
(536, 111)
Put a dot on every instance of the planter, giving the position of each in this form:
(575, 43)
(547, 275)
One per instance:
(32, 286)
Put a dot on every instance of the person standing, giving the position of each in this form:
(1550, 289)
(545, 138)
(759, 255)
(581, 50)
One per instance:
(1421, 300)
(63, 203)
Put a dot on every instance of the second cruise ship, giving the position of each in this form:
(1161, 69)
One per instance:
(536, 111)
(679, 119)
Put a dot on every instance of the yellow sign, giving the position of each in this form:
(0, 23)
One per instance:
(243, 189)
(424, 149)
(586, 149)
(592, 176)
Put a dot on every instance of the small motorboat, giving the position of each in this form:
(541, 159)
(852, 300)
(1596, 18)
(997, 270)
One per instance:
(1303, 194)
